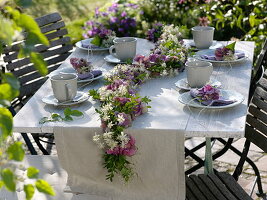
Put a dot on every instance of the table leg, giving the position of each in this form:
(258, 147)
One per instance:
(208, 165)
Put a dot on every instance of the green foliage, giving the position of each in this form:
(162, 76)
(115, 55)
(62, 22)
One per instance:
(13, 22)
(117, 164)
(29, 191)
(32, 172)
(44, 187)
(68, 113)
(15, 151)
(245, 20)
(6, 122)
(8, 178)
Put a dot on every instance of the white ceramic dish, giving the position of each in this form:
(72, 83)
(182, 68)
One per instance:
(187, 99)
(70, 70)
(112, 59)
(183, 84)
(214, 45)
(79, 98)
(212, 51)
(88, 42)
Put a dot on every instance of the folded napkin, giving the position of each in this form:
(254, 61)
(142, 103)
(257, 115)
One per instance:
(221, 101)
(211, 55)
(90, 75)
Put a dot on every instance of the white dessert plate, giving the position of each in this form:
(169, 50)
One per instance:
(212, 51)
(88, 42)
(79, 98)
(70, 70)
(183, 84)
(188, 100)
(112, 59)
(214, 45)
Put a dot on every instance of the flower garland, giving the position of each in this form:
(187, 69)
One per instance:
(120, 103)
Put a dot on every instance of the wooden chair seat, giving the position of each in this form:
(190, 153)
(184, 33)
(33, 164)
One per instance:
(218, 186)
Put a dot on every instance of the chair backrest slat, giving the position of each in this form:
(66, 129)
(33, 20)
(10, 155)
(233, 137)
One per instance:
(256, 127)
(59, 49)
(48, 19)
(39, 48)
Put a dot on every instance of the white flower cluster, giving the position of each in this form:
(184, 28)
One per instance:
(107, 140)
(170, 43)
(109, 41)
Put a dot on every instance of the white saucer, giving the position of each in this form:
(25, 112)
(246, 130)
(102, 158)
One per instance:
(112, 59)
(183, 84)
(212, 51)
(70, 70)
(214, 45)
(187, 99)
(88, 42)
(80, 97)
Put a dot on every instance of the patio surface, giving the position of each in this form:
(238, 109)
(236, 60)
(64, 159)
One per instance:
(225, 163)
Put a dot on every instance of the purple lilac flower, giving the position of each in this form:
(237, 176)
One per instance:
(97, 12)
(113, 7)
(123, 14)
(116, 84)
(208, 92)
(221, 52)
(122, 100)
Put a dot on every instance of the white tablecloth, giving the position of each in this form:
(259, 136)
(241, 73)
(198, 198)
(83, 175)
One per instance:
(159, 164)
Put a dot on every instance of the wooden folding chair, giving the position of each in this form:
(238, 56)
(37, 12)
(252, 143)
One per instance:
(30, 80)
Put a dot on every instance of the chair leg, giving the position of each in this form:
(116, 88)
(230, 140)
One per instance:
(36, 139)
(29, 143)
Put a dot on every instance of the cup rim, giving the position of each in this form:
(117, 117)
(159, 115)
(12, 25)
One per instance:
(208, 64)
(202, 28)
(132, 39)
(57, 75)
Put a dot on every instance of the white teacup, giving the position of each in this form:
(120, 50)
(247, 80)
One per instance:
(203, 36)
(125, 48)
(64, 86)
(198, 73)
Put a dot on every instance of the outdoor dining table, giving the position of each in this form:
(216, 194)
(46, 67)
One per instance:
(166, 114)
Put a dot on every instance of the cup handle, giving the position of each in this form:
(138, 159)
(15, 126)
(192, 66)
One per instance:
(111, 51)
(68, 91)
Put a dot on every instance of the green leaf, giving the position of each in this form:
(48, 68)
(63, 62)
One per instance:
(1, 184)
(7, 31)
(11, 80)
(39, 63)
(96, 41)
(68, 118)
(15, 151)
(32, 172)
(9, 179)
(6, 92)
(231, 46)
(30, 25)
(67, 111)
(44, 120)
(76, 113)
(29, 191)
(44, 187)
(6, 122)
(252, 20)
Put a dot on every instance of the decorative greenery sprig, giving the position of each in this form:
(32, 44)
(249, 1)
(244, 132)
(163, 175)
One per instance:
(68, 116)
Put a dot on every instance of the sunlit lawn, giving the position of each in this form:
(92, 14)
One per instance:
(73, 12)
